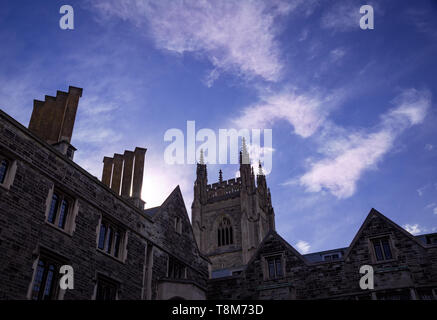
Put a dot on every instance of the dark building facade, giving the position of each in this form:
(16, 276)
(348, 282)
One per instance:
(54, 213)
(404, 266)
(230, 218)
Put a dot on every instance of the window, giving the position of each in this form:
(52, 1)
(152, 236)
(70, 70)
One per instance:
(106, 288)
(399, 294)
(274, 267)
(176, 269)
(110, 239)
(178, 224)
(45, 284)
(4, 166)
(425, 294)
(332, 256)
(431, 239)
(60, 210)
(382, 249)
(225, 234)
(8, 168)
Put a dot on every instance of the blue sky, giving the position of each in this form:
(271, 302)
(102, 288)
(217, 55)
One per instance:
(353, 111)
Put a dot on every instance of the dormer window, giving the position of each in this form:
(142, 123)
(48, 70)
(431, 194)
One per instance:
(332, 256)
(225, 234)
(274, 268)
(382, 249)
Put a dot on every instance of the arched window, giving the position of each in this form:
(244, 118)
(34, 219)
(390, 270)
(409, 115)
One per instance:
(225, 235)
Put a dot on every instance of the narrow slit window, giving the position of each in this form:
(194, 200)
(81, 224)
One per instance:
(4, 165)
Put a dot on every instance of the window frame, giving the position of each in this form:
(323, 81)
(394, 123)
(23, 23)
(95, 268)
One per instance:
(279, 256)
(47, 259)
(11, 169)
(106, 282)
(178, 224)
(329, 257)
(172, 261)
(115, 229)
(225, 232)
(391, 247)
(6, 163)
(72, 209)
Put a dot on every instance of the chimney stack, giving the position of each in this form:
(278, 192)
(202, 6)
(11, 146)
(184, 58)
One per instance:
(53, 119)
(124, 174)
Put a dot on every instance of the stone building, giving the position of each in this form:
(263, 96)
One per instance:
(54, 213)
(257, 263)
(231, 218)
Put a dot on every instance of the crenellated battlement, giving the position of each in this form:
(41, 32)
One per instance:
(224, 184)
(225, 188)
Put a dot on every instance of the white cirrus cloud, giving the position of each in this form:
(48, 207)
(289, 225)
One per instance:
(429, 147)
(305, 112)
(412, 228)
(236, 36)
(303, 246)
(346, 158)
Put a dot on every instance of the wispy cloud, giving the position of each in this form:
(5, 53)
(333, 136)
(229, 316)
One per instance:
(342, 16)
(421, 190)
(305, 112)
(413, 228)
(236, 36)
(303, 246)
(336, 54)
(429, 147)
(348, 157)
(95, 121)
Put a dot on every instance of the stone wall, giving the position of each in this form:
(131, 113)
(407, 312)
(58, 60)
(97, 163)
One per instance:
(24, 230)
(412, 269)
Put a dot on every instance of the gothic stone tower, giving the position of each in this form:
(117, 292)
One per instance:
(230, 218)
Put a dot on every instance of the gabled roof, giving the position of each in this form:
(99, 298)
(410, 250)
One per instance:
(273, 233)
(313, 257)
(156, 211)
(375, 213)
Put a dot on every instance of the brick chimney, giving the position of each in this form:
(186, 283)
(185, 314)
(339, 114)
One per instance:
(124, 175)
(53, 119)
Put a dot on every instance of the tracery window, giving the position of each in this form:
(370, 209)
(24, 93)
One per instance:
(225, 234)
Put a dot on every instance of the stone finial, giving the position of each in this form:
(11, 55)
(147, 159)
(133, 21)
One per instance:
(244, 154)
(260, 169)
(201, 160)
(220, 176)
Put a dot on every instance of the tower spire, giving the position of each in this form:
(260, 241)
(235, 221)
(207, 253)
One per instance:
(260, 168)
(201, 160)
(244, 154)
(220, 176)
